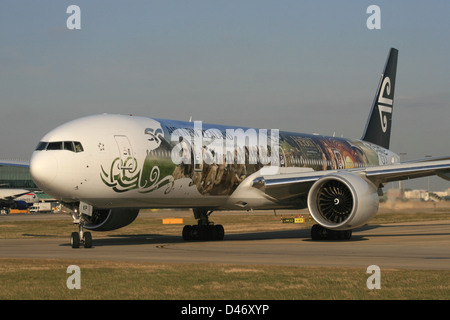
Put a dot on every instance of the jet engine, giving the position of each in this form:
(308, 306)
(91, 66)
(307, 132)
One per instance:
(110, 219)
(342, 201)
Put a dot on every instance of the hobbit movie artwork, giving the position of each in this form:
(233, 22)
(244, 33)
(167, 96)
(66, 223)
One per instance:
(217, 159)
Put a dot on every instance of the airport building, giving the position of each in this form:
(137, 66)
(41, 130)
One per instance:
(16, 174)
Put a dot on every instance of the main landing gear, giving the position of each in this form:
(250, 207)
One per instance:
(320, 233)
(205, 229)
(80, 237)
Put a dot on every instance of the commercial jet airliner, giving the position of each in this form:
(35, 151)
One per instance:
(14, 180)
(16, 198)
(104, 168)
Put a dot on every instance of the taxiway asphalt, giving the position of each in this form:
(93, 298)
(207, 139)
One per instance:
(414, 245)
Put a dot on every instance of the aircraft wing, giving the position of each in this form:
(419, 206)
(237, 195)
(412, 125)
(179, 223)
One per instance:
(298, 181)
(409, 170)
(11, 194)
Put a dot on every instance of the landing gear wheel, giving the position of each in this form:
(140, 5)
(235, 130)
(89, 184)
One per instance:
(347, 234)
(204, 233)
(80, 237)
(75, 240)
(320, 233)
(205, 230)
(219, 232)
(87, 240)
(187, 233)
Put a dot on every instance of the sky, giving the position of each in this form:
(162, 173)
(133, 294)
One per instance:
(302, 66)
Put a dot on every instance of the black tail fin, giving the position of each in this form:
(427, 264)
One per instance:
(378, 127)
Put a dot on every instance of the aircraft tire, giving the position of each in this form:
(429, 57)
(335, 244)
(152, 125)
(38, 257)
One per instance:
(75, 240)
(187, 233)
(203, 233)
(320, 233)
(347, 234)
(87, 240)
(219, 232)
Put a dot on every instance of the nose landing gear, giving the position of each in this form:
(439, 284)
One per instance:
(80, 237)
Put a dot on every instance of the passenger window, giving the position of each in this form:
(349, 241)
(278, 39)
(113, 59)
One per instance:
(54, 145)
(68, 145)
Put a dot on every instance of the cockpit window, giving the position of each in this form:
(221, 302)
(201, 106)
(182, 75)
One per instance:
(68, 145)
(78, 146)
(54, 145)
(41, 146)
(73, 146)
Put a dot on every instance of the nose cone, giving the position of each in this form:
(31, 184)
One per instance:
(43, 170)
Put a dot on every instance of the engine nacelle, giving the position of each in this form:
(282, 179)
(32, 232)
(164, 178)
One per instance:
(110, 219)
(342, 201)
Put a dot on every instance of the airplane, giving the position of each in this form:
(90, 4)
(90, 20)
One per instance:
(105, 168)
(17, 198)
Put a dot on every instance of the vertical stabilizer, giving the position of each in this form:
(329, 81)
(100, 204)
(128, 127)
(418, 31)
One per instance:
(378, 127)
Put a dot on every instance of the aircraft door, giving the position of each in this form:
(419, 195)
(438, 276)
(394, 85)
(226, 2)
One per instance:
(127, 161)
(339, 159)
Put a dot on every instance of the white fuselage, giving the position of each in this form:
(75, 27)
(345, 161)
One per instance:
(112, 161)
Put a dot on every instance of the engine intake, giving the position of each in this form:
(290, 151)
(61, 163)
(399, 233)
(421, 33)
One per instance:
(110, 219)
(342, 201)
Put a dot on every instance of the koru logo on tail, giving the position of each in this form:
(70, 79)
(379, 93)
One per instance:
(384, 103)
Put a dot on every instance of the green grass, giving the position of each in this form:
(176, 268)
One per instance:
(393, 217)
(46, 279)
